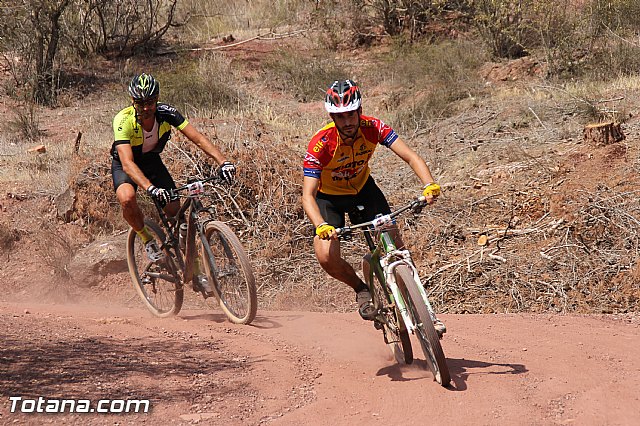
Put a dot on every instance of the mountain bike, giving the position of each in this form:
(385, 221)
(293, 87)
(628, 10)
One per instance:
(197, 249)
(400, 302)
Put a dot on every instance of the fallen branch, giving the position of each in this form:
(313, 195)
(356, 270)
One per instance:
(271, 35)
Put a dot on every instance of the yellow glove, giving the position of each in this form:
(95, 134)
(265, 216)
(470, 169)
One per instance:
(324, 230)
(431, 190)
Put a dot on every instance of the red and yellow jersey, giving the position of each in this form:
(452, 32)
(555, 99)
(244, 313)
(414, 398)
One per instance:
(344, 169)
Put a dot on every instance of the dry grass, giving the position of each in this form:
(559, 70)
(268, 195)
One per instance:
(43, 171)
(304, 77)
(501, 153)
(213, 19)
(208, 86)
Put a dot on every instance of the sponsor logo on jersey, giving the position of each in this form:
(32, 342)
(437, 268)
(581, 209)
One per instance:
(351, 165)
(312, 159)
(363, 149)
(346, 173)
(167, 108)
(318, 146)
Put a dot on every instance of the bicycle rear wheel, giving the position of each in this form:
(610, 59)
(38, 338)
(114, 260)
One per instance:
(425, 331)
(157, 283)
(389, 318)
(229, 269)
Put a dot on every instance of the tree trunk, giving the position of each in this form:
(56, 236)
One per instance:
(46, 21)
(601, 134)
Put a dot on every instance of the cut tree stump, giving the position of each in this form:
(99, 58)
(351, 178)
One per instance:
(601, 134)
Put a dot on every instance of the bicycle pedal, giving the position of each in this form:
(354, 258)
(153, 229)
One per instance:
(377, 325)
(367, 312)
(203, 287)
(440, 328)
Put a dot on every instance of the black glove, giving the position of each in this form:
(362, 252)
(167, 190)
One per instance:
(161, 195)
(228, 171)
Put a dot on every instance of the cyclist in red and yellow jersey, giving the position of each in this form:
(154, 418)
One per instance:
(337, 178)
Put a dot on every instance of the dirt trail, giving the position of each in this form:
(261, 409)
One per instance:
(294, 368)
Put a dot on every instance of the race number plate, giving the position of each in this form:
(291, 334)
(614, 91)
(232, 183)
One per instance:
(195, 188)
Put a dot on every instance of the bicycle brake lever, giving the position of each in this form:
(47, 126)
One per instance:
(343, 233)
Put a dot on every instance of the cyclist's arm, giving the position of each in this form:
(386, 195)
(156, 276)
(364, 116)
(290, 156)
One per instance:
(125, 154)
(203, 143)
(309, 190)
(414, 160)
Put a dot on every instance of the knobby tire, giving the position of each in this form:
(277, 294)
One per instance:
(231, 273)
(425, 331)
(395, 330)
(163, 294)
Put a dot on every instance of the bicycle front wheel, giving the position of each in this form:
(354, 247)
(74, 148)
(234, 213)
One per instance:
(425, 331)
(157, 283)
(229, 269)
(388, 317)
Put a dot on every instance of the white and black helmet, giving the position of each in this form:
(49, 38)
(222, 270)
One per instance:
(144, 87)
(342, 96)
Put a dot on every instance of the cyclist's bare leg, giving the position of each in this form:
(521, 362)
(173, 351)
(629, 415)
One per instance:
(131, 212)
(328, 255)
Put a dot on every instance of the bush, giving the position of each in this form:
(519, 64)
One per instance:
(575, 39)
(503, 25)
(307, 78)
(206, 21)
(27, 123)
(207, 85)
(46, 35)
(428, 79)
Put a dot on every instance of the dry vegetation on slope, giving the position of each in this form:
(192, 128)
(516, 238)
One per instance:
(504, 138)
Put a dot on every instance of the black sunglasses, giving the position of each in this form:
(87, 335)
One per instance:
(145, 103)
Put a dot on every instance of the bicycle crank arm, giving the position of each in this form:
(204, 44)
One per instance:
(162, 276)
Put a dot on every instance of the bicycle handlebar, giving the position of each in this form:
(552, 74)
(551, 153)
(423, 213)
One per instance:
(378, 222)
(196, 187)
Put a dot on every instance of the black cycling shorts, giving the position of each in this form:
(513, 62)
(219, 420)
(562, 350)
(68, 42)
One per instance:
(334, 207)
(153, 168)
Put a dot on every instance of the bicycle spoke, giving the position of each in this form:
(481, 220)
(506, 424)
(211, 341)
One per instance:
(232, 273)
(158, 286)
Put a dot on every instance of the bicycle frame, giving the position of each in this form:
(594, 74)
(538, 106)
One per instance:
(386, 257)
(189, 210)
(199, 250)
(389, 262)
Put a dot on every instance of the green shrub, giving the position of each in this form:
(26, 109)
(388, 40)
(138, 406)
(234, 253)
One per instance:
(503, 26)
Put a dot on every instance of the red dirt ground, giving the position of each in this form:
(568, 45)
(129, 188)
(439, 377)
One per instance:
(295, 368)
(292, 368)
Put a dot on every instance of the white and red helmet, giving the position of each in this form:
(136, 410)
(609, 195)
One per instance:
(342, 96)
